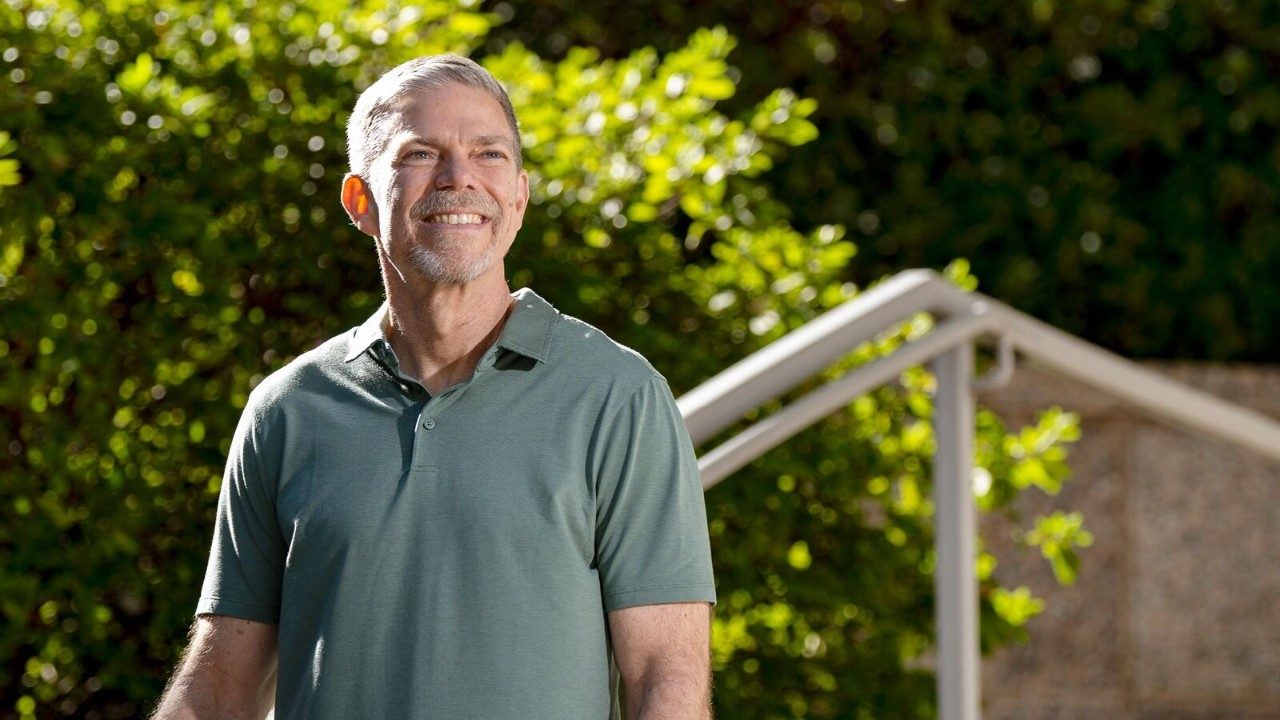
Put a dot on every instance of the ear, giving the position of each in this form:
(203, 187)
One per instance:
(522, 197)
(357, 200)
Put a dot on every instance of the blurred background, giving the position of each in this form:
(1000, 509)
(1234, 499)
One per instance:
(706, 177)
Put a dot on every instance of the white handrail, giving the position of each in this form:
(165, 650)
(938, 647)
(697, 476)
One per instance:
(769, 373)
(962, 318)
(772, 431)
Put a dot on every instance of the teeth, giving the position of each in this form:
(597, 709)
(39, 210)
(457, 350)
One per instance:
(456, 219)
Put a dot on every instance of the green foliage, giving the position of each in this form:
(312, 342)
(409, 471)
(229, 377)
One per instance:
(1033, 457)
(1109, 167)
(1058, 536)
(172, 234)
(8, 167)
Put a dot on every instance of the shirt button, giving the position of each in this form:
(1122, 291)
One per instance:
(429, 424)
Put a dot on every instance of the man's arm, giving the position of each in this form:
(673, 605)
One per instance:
(663, 654)
(228, 672)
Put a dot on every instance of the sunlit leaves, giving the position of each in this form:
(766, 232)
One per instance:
(1058, 536)
(136, 76)
(784, 116)
(632, 135)
(1035, 456)
(1016, 606)
(8, 166)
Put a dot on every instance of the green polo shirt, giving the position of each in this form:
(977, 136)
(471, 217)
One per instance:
(454, 556)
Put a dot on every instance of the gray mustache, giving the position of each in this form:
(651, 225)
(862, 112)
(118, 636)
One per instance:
(458, 202)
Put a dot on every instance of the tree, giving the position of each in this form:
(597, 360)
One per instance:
(1108, 167)
(171, 233)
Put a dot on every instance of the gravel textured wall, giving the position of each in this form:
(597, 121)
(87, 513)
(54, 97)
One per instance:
(1176, 615)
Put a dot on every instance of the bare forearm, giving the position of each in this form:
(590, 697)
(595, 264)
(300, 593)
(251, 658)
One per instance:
(193, 698)
(227, 673)
(671, 696)
(185, 700)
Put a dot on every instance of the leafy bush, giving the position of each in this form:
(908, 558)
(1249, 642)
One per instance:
(171, 234)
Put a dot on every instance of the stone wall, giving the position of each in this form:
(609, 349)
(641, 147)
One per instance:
(1176, 614)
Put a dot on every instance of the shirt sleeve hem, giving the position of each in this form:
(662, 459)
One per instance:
(235, 608)
(660, 595)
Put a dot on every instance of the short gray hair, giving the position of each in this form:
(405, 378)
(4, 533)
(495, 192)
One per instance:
(367, 132)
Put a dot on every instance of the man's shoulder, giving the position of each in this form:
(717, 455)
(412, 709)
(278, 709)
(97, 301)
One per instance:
(588, 350)
(313, 371)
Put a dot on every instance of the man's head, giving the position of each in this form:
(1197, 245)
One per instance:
(367, 126)
(436, 172)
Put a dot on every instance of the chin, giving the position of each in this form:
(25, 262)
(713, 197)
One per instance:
(442, 269)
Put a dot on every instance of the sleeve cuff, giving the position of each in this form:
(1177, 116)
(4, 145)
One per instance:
(234, 608)
(660, 595)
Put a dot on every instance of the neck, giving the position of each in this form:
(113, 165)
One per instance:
(440, 332)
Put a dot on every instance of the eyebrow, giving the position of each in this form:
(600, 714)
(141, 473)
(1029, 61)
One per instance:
(478, 140)
(491, 140)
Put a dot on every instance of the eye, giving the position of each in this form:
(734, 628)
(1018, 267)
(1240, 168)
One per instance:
(417, 155)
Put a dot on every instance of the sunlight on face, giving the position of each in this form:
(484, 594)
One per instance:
(455, 193)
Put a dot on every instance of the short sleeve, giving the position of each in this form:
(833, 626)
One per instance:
(651, 522)
(246, 561)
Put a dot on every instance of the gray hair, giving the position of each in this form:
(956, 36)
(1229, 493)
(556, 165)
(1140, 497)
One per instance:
(367, 131)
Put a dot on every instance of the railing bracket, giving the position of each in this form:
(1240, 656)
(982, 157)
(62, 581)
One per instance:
(1002, 374)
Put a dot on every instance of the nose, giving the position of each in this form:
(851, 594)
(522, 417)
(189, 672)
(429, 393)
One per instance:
(453, 171)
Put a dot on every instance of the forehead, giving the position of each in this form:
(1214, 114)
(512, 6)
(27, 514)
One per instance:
(451, 108)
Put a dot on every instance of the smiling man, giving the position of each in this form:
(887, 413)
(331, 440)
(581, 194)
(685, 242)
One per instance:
(472, 505)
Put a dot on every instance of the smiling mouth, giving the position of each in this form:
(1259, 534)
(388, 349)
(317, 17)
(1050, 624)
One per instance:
(455, 219)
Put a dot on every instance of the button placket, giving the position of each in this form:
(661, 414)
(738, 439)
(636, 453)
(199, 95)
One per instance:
(424, 452)
(425, 444)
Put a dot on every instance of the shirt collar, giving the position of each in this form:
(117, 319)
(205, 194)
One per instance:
(527, 332)
(367, 334)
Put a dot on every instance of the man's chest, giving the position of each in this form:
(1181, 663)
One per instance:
(438, 478)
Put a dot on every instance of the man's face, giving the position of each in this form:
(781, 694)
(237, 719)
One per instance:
(449, 191)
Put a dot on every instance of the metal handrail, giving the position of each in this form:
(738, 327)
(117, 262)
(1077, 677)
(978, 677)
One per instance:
(777, 428)
(803, 353)
(963, 318)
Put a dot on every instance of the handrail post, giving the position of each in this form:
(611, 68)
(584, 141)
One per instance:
(956, 587)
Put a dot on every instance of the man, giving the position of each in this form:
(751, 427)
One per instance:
(466, 507)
